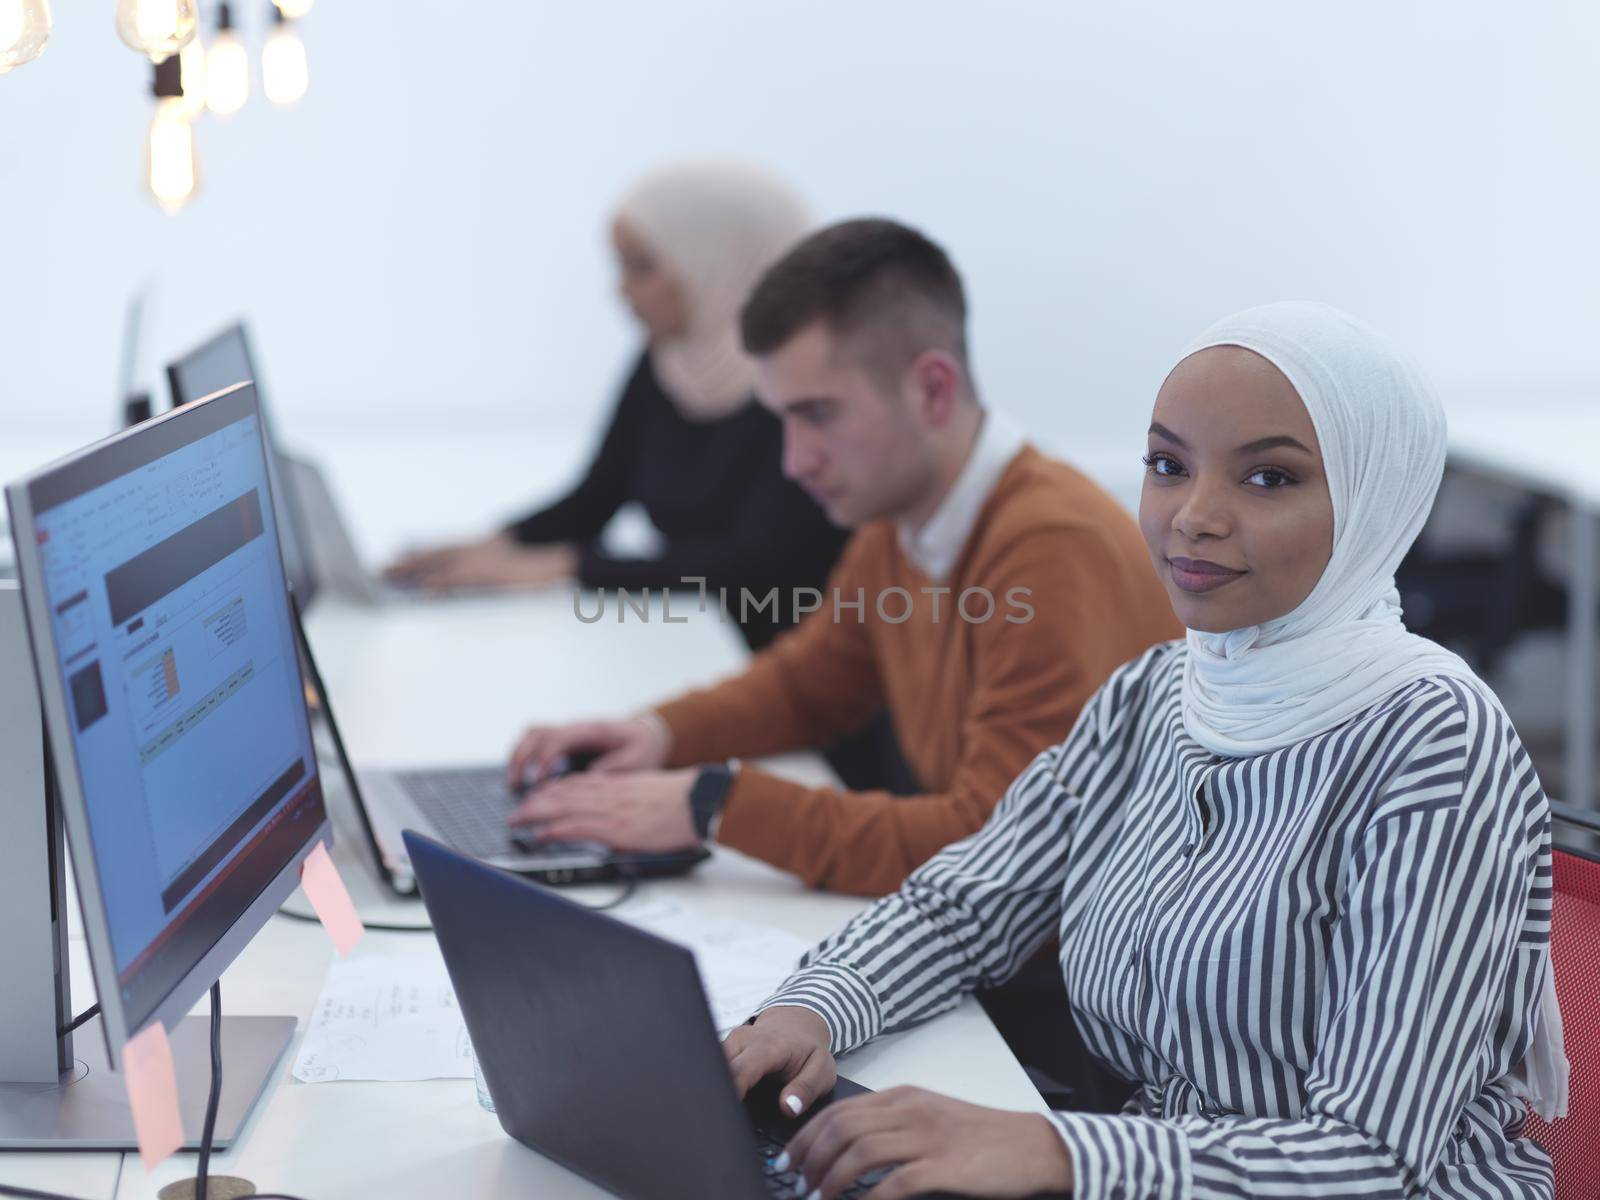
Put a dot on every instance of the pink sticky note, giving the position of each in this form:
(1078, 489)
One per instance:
(326, 891)
(152, 1086)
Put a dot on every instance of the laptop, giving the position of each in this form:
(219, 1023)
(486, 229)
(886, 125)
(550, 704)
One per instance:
(220, 362)
(597, 1044)
(463, 807)
(331, 548)
(318, 551)
(339, 566)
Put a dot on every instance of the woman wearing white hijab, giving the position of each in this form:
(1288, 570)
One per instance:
(686, 441)
(1298, 864)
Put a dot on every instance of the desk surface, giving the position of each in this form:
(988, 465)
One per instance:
(455, 682)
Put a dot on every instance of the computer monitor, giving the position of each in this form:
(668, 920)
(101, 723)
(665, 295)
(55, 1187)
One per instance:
(170, 685)
(223, 361)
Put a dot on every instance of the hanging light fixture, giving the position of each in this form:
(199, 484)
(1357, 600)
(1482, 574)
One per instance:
(284, 77)
(295, 9)
(157, 29)
(227, 67)
(171, 167)
(24, 30)
(192, 70)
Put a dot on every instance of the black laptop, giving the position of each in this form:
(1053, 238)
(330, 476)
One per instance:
(596, 1041)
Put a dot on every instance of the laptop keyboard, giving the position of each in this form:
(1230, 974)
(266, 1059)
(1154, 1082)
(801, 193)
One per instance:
(469, 807)
(787, 1183)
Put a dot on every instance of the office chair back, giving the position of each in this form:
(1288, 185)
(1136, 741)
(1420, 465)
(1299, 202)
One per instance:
(1574, 1142)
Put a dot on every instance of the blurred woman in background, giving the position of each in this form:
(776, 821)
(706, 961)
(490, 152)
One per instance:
(686, 441)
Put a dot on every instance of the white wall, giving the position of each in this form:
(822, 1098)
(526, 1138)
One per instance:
(421, 238)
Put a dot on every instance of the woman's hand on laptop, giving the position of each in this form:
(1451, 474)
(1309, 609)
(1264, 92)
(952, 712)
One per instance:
(791, 1043)
(422, 567)
(639, 743)
(494, 562)
(934, 1144)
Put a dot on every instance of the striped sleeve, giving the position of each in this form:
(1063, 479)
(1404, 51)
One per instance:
(967, 918)
(1429, 963)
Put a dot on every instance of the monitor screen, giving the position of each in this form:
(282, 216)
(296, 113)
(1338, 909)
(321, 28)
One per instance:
(222, 362)
(155, 565)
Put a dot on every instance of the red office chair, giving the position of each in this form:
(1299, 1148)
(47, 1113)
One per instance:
(1574, 1143)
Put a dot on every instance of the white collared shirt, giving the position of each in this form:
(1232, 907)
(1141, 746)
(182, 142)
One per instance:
(935, 547)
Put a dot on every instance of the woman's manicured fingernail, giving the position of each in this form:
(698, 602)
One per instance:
(781, 1163)
(816, 1195)
(801, 1187)
(792, 1103)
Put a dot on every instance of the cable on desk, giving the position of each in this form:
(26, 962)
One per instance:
(381, 927)
(209, 1129)
(7, 1189)
(630, 884)
(86, 1015)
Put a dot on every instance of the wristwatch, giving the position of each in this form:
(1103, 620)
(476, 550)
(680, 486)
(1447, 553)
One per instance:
(709, 794)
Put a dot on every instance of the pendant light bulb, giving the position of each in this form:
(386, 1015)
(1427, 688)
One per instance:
(157, 29)
(172, 169)
(24, 30)
(295, 9)
(284, 77)
(192, 69)
(227, 68)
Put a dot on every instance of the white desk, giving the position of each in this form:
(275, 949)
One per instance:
(455, 682)
(1538, 442)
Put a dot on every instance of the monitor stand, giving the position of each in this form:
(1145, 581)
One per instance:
(57, 1091)
(88, 1108)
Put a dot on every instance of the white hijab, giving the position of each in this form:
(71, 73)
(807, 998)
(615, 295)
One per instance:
(717, 226)
(1381, 430)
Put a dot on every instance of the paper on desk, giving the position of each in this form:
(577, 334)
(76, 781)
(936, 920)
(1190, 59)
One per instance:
(741, 963)
(394, 1017)
(389, 1017)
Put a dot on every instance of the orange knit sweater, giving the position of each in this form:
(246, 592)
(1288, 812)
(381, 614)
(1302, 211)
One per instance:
(972, 700)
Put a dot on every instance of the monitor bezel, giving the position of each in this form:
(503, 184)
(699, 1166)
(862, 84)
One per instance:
(190, 987)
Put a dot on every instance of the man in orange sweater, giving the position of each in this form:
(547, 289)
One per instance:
(988, 590)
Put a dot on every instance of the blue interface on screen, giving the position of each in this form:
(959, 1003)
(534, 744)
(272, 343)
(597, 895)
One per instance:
(181, 676)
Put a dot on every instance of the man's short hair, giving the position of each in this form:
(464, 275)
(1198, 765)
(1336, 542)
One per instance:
(880, 286)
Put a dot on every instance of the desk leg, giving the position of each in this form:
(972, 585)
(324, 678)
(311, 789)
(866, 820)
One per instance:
(1583, 609)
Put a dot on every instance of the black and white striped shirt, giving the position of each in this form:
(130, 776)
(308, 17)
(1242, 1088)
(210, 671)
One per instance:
(1319, 963)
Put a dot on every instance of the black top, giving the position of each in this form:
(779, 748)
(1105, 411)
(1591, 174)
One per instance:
(715, 490)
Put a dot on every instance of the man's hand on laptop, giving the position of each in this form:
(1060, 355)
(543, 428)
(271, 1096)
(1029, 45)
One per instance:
(632, 810)
(639, 743)
(791, 1043)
